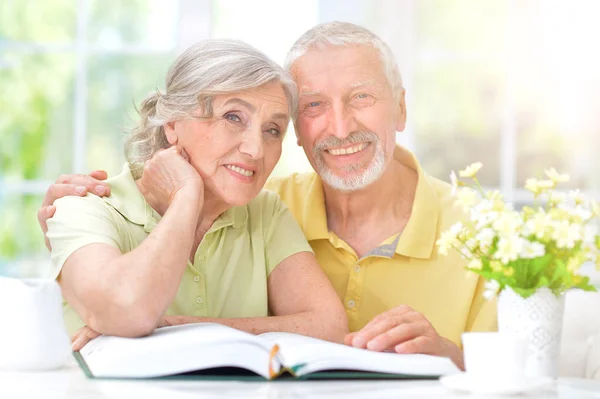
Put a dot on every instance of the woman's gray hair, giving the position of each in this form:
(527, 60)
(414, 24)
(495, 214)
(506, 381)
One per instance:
(345, 34)
(205, 70)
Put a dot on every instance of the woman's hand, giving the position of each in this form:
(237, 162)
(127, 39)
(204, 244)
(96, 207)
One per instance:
(86, 334)
(167, 175)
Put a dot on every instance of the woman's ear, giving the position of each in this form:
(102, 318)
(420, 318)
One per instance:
(170, 133)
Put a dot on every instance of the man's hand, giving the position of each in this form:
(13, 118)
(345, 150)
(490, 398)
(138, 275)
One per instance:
(404, 330)
(86, 334)
(78, 185)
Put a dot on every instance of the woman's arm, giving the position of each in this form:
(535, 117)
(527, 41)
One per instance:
(127, 294)
(301, 299)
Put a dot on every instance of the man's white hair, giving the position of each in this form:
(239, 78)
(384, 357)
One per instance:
(345, 34)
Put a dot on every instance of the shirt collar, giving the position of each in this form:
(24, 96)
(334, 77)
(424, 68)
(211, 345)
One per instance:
(419, 235)
(126, 199)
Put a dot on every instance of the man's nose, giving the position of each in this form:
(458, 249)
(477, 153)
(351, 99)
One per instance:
(342, 121)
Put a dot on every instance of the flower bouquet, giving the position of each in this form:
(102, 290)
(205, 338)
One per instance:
(530, 256)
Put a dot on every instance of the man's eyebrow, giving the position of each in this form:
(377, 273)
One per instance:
(239, 101)
(308, 93)
(362, 83)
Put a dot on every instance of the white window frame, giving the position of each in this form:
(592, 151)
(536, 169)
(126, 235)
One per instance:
(193, 25)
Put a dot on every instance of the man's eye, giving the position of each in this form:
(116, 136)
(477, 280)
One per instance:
(362, 96)
(233, 117)
(314, 104)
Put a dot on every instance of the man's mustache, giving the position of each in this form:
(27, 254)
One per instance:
(354, 137)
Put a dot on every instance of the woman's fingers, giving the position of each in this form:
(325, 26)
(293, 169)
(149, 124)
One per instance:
(82, 337)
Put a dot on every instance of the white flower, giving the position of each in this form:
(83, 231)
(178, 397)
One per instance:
(577, 197)
(538, 224)
(509, 249)
(475, 264)
(532, 185)
(582, 213)
(533, 250)
(485, 238)
(558, 197)
(507, 223)
(555, 176)
(448, 239)
(565, 234)
(467, 198)
(454, 181)
(545, 184)
(491, 289)
(471, 170)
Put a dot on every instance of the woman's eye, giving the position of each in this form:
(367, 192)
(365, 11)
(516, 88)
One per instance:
(274, 132)
(233, 117)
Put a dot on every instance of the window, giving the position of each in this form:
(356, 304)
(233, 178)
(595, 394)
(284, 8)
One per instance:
(512, 83)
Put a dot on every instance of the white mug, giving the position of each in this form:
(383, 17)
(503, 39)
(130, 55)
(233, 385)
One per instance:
(32, 330)
(494, 357)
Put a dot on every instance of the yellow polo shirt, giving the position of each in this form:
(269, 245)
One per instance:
(229, 275)
(405, 268)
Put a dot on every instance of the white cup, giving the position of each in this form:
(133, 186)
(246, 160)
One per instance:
(494, 357)
(33, 334)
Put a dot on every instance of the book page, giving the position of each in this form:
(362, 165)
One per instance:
(307, 355)
(176, 349)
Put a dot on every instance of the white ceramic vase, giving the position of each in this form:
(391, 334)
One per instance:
(539, 319)
(32, 331)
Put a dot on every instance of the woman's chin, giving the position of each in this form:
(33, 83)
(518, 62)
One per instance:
(241, 199)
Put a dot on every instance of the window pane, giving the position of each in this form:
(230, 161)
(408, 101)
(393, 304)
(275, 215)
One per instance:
(557, 82)
(20, 235)
(36, 93)
(457, 118)
(147, 23)
(115, 84)
(459, 86)
(470, 27)
(40, 21)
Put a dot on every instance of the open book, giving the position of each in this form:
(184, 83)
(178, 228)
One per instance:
(209, 350)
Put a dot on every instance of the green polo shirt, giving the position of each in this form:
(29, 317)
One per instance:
(229, 275)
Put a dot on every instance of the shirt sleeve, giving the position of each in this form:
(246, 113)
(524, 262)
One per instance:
(283, 236)
(79, 221)
(483, 313)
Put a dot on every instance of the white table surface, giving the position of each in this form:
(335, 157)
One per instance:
(71, 383)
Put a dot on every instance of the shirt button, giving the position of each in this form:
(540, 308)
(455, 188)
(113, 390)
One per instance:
(199, 300)
(351, 304)
(196, 278)
(357, 268)
(201, 258)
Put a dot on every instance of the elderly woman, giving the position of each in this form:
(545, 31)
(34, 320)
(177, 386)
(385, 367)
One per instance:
(187, 235)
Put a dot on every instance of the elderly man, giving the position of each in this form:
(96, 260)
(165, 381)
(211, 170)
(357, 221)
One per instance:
(370, 213)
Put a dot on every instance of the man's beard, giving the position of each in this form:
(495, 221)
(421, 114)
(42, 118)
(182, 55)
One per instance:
(360, 175)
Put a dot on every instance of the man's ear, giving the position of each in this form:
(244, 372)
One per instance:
(401, 112)
(170, 133)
